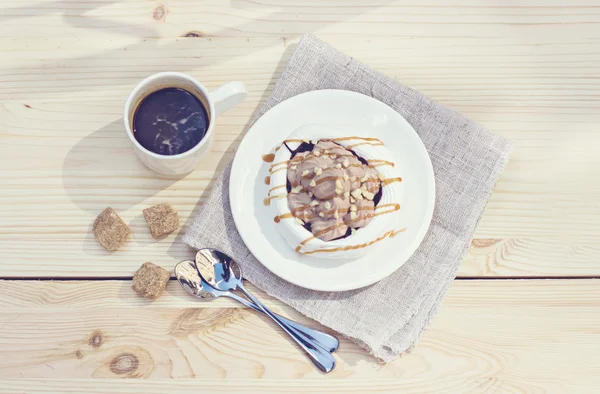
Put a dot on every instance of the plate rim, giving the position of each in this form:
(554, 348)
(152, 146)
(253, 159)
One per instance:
(369, 280)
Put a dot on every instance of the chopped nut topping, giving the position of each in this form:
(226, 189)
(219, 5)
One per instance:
(323, 168)
(368, 195)
(357, 194)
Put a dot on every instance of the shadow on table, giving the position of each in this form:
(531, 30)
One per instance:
(226, 159)
(102, 170)
(80, 15)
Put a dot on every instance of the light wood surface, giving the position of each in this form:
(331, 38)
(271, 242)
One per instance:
(508, 336)
(528, 70)
(65, 156)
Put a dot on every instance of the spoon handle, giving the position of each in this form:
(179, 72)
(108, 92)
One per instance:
(321, 358)
(326, 341)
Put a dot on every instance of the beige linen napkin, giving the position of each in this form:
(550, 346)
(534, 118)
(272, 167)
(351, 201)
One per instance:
(388, 317)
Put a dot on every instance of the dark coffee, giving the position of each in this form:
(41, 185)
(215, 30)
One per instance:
(170, 121)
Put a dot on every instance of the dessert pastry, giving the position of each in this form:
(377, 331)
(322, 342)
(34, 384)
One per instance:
(335, 195)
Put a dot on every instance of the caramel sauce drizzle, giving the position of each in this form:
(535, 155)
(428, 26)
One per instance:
(374, 163)
(282, 165)
(393, 204)
(377, 163)
(350, 147)
(395, 207)
(275, 188)
(288, 215)
(327, 179)
(279, 164)
(390, 234)
(356, 164)
(268, 158)
(293, 213)
(267, 201)
(277, 170)
(356, 138)
(391, 180)
(300, 208)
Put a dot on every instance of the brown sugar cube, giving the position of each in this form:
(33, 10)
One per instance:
(150, 280)
(110, 230)
(162, 219)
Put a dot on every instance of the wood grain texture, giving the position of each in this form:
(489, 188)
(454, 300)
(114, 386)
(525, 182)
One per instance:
(64, 155)
(528, 70)
(346, 18)
(510, 336)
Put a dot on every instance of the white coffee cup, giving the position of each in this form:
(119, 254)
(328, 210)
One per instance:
(217, 102)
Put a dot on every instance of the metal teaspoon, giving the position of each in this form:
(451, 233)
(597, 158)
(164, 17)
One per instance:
(188, 278)
(228, 277)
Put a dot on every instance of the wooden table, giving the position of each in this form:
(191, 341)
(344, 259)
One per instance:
(524, 312)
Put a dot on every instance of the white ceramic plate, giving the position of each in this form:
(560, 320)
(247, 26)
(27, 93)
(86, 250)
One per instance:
(370, 118)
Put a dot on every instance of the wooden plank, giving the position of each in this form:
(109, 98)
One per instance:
(250, 386)
(529, 257)
(64, 157)
(508, 336)
(517, 19)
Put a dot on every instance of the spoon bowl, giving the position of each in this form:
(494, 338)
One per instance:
(188, 278)
(226, 273)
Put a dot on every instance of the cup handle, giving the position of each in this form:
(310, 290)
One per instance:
(228, 96)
